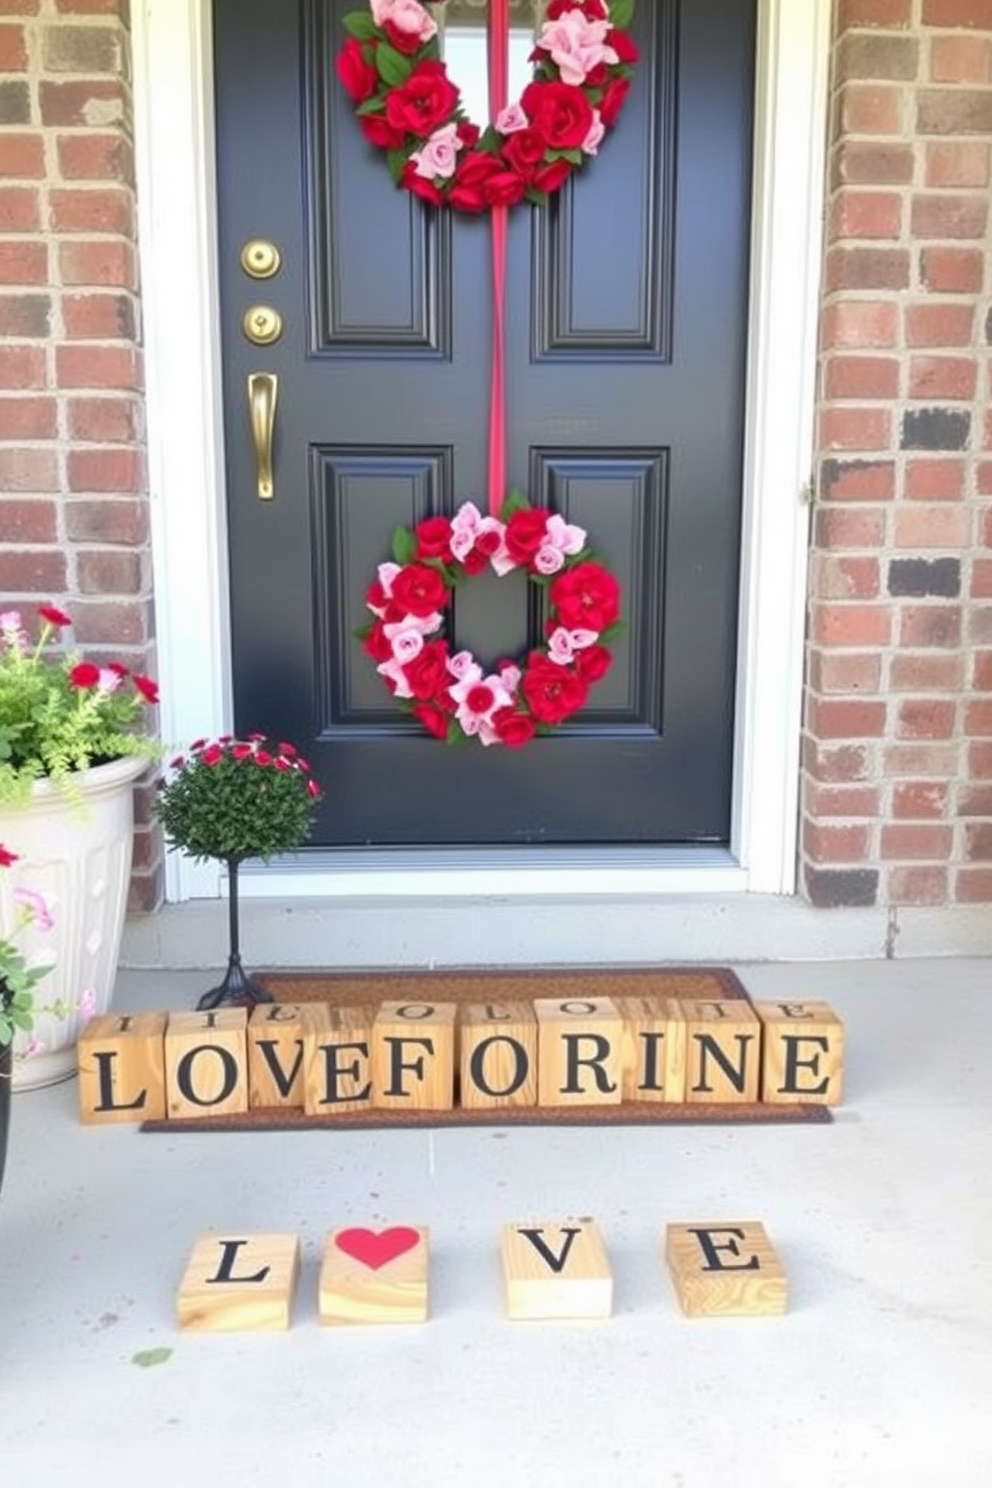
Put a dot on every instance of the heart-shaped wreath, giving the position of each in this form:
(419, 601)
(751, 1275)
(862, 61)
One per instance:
(408, 106)
(451, 695)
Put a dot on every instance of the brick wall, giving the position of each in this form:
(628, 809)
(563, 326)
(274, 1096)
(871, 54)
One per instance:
(73, 503)
(897, 757)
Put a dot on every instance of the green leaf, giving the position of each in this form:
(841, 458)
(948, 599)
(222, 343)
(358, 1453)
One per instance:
(574, 157)
(360, 23)
(515, 501)
(612, 633)
(371, 105)
(456, 734)
(396, 161)
(489, 140)
(392, 66)
(404, 545)
(536, 198)
(362, 632)
(148, 1358)
(621, 14)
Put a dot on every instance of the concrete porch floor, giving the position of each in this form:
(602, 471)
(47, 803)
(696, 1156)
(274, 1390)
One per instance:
(881, 1372)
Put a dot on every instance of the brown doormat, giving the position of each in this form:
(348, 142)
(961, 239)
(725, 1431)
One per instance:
(348, 989)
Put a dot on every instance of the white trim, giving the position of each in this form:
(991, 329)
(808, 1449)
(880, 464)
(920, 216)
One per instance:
(177, 220)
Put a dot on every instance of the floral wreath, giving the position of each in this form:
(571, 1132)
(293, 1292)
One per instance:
(407, 105)
(451, 695)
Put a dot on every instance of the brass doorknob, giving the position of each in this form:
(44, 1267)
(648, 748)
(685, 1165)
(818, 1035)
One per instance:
(263, 390)
(260, 259)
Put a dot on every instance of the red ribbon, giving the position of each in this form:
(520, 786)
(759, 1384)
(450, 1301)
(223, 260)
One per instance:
(499, 49)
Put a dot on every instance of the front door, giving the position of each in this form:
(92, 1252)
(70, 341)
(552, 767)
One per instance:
(625, 361)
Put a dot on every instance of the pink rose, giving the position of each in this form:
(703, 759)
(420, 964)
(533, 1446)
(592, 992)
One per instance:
(404, 19)
(439, 156)
(576, 45)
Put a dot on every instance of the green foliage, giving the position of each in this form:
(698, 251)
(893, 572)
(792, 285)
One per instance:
(17, 978)
(238, 799)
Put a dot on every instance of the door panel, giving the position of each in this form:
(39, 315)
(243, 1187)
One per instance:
(625, 358)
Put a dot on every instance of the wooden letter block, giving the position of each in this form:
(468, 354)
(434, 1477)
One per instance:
(206, 1063)
(723, 1051)
(725, 1270)
(557, 1269)
(122, 1068)
(239, 1284)
(580, 1051)
(803, 1059)
(653, 1048)
(375, 1276)
(275, 1055)
(338, 1045)
(413, 1056)
(498, 1060)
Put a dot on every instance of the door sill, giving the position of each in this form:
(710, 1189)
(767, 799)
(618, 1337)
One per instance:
(471, 873)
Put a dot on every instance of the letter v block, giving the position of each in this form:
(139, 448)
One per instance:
(122, 1068)
(375, 1276)
(556, 1269)
(236, 1284)
(725, 1269)
(275, 1055)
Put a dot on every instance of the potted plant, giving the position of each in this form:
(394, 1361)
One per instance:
(231, 799)
(18, 978)
(72, 743)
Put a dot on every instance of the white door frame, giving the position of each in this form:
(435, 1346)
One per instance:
(177, 238)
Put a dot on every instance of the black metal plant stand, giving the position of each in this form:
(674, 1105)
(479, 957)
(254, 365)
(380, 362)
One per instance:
(238, 989)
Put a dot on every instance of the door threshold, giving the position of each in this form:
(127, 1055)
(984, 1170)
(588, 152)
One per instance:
(524, 872)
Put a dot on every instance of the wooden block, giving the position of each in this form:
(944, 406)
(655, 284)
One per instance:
(498, 1055)
(413, 1056)
(338, 1059)
(556, 1269)
(580, 1051)
(723, 1051)
(375, 1276)
(803, 1053)
(653, 1048)
(239, 1283)
(122, 1068)
(725, 1270)
(206, 1063)
(275, 1055)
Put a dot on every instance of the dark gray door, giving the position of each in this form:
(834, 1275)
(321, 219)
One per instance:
(625, 371)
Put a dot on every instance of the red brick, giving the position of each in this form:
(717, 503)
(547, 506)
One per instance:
(880, 56)
(909, 672)
(861, 377)
(847, 527)
(911, 760)
(845, 577)
(940, 324)
(935, 480)
(23, 157)
(973, 886)
(90, 7)
(22, 367)
(935, 625)
(20, 209)
(865, 214)
(952, 270)
(28, 469)
(978, 841)
(104, 317)
(104, 420)
(870, 163)
(916, 841)
(960, 59)
(125, 623)
(943, 379)
(980, 624)
(98, 263)
(933, 527)
(92, 209)
(976, 800)
(25, 316)
(845, 671)
(919, 800)
(96, 103)
(954, 111)
(106, 470)
(926, 885)
(867, 268)
(980, 761)
(870, 108)
(860, 323)
(948, 217)
(28, 418)
(983, 485)
(836, 764)
(981, 579)
(842, 718)
(20, 7)
(23, 262)
(28, 521)
(855, 428)
(110, 571)
(857, 480)
(843, 800)
(873, 13)
(851, 624)
(929, 718)
(98, 367)
(978, 718)
(146, 892)
(957, 163)
(981, 677)
(834, 844)
(13, 49)
(96, 157)
(32, 571)
(113, 520)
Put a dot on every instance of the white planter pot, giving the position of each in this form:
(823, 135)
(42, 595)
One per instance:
(77, 853)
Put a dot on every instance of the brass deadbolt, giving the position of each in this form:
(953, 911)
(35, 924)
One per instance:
(262, 324)
(260, 259)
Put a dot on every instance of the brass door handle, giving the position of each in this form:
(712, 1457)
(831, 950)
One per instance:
(263, 390)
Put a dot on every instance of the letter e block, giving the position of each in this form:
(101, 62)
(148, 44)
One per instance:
(375, 1276)
(338, 1055)
(653, 1049)
(725, 1270)
(498, 1055)
(580, 1051)
(556, 1269)
(243, 1284)
(723, 1051)
(413, 1056)
(206, 1063)
(275, 1055)
(803, 1059)
(122, 1068)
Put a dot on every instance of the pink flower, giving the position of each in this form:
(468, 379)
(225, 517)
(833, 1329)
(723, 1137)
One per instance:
(511, 119)
(461, 664)
(86, 1006)
(470, 529)
(439, 156)
(577, 45)
(560, 649)
(406, 16)
(10, 622)
(407, 644)
(393, 671)
(109, 680)
(478, 698)
(564, 535)
(35, 907)
(593, 140)
(548, 560)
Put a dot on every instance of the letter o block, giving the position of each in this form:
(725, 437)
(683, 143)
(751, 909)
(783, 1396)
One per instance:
(206, 1063)
(498, 1060)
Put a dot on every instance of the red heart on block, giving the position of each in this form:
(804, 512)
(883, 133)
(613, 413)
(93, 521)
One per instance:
(376, 1249)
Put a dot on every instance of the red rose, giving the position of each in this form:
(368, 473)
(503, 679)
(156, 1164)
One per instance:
(513, 729)
(474, 561)
(586, 597)
(434, 538)
(212, 755)
(434, 721)
(427, 672)
(553, 692)
(524, 150)
(55, 617)
(406, 42)
(358, 77)
(613, 100)
(561, 115)
(549, 177)
(596, 76)
(424, 102)
(468, 186)
(525, 533)
(7, 857)
(593, 662)
(419, 590)
(468, 134)
(421, 185)
(487, 542)
(505, 188)
(377, 644)
(625, 46)
(84, 674)
(379, 133)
